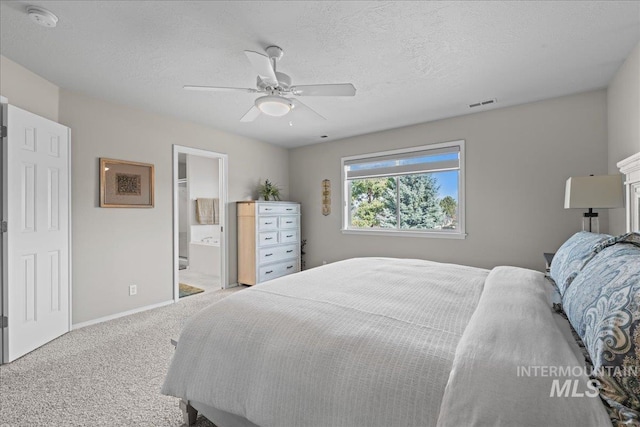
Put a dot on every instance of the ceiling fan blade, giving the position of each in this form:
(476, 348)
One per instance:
(262, 64)
(297, 104)
(343, 89)
(219, 89)
(251, 115)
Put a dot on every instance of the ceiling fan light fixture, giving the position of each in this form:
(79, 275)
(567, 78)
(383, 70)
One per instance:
(275, 106)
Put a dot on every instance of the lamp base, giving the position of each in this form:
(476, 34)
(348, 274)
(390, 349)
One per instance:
(591, 223)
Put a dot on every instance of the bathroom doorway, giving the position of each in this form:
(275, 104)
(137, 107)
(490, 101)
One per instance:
(199, 221)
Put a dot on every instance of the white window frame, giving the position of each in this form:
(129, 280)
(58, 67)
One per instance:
(459, 233)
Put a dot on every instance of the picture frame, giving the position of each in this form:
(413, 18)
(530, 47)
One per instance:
(125, 184)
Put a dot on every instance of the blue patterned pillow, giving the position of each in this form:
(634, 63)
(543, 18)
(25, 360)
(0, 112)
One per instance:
(633, 238)
(572, 256)
(603, 305)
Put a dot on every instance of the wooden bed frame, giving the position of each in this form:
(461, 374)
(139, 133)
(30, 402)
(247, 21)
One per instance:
(189, 413)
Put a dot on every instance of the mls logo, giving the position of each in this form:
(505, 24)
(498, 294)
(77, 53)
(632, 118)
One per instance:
(571, 388)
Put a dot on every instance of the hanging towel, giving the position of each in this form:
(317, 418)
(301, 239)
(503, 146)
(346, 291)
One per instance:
(205, 213)
(216, 211)
(208, 211)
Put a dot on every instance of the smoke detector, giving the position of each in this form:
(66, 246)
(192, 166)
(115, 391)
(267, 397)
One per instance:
(42, 16)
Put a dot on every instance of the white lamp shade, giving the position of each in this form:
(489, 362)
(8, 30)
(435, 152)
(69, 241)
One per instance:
(273, 105)
(603, 191)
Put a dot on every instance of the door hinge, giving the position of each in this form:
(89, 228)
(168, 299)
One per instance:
(4, 227)
(3, 131)
(5, 322)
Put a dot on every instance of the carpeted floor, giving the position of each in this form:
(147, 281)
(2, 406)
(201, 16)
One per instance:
(107, 374)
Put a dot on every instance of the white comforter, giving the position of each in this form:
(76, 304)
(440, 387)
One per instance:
(362, 342)
(509, 358)
(372, 342)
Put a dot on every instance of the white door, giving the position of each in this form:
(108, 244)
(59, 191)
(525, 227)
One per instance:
(36, 197)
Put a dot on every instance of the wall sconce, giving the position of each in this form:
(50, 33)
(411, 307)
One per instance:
(326, 197)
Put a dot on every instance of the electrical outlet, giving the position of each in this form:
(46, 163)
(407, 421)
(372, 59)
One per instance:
(133, 289)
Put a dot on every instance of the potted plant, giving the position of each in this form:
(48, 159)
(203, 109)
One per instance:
(269, 191)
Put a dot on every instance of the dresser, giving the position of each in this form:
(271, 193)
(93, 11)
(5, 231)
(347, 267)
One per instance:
(268, 240)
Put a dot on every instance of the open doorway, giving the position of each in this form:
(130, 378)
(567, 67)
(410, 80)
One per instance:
(199, 221)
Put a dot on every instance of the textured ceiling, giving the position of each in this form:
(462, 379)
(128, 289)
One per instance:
(411, 62)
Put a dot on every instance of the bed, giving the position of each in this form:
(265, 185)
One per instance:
(407, 342)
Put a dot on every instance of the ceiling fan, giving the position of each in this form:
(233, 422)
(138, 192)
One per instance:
(277, 88)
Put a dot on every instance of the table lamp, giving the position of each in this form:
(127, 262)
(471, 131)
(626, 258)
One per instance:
(593, 192)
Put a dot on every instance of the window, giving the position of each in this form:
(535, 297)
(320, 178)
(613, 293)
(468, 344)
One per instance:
(416, 191)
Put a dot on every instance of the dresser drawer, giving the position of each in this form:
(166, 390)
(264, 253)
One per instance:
(278, 253)
(272, 271)
(267, 223)
(289, 221)
(267, 238)
(288, 236)
(277, 209)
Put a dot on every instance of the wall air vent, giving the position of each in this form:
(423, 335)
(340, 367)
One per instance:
(483, 103)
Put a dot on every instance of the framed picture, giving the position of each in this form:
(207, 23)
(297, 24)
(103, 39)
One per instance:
(126, 184)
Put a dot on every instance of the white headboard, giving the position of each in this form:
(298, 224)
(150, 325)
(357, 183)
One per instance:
(630, 168)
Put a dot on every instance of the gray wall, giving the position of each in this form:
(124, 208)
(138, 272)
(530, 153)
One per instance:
(517, 162)
(623, 111)
(114, 248)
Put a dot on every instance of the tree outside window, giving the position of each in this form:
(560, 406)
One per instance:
(417, 189)
(404, 202)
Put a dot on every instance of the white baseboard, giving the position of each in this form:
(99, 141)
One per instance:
(117, 315)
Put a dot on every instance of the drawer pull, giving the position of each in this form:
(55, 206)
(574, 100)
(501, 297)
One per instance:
(268, 209)
(268, 223)
(289, 251)
(268, 255)
(268, 238)
(289, 235)
(289, 209)
(289, 222)
(269, 272)
(289, 266)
